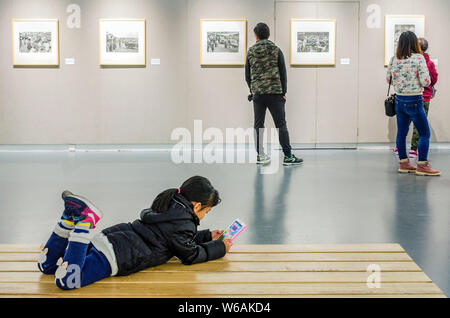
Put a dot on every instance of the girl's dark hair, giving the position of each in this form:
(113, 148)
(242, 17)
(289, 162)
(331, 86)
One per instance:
(407, 45)
(262, 31)
(423, 44)
(194, 189)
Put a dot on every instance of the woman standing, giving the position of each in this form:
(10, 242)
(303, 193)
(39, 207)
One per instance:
(409, 73)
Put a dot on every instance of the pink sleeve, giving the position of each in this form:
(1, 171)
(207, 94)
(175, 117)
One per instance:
(433, 73)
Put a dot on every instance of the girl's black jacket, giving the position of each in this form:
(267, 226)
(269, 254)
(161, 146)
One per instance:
(157, 237)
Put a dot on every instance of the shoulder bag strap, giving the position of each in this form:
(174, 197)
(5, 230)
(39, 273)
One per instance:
(389, 89)
(391, 63)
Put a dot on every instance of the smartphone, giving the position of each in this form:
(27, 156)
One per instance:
(233, 230)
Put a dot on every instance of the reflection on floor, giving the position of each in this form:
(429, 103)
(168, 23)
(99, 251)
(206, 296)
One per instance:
(336, 197)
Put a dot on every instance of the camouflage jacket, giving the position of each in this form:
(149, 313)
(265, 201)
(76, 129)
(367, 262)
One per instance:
(265, 70)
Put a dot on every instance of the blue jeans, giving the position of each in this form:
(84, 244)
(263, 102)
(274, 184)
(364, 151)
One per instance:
(85, 264)
(410, 108)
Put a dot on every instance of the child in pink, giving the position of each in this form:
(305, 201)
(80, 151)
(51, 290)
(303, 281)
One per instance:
(428, 94)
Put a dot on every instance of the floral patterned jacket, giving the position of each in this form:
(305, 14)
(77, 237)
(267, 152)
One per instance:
(409, 76)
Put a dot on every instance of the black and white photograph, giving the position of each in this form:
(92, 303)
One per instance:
(313, 42)
(399, 29)
(223, 42)
(35, 42)
(395, 25)
(219, 42)
(122, 42)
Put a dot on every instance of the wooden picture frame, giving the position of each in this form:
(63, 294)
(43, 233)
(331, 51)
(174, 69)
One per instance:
(415, 23)
(122, 42)
(35, 42)
(313, 42)
(227, 35)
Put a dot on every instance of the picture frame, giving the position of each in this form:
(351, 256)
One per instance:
(394, 26)
(313, 42)
(223, 42)
(122, 42)
(35, 42)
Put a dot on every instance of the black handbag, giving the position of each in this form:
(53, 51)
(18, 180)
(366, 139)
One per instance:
(389, 103)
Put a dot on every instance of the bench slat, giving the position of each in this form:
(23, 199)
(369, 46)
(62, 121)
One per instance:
(318, 248)
(19, 248)
(227, 277)
(268, 248)
(193, 290)
(272, 257)
(68, 295)
(250, 267)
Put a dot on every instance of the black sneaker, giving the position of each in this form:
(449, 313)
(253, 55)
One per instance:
(292, 160)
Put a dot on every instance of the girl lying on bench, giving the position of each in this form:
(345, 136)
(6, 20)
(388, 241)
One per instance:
(167, 229)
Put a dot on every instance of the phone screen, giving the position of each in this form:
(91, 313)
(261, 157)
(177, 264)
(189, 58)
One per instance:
(232, 231)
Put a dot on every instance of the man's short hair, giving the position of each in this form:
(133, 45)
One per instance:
(423, 44)
(262, 31)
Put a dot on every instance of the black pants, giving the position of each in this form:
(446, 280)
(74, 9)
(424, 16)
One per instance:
(276, 105)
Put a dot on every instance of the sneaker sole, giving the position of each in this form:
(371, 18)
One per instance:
(91, 205)
(292, 164)
(263, 162)
(406, 171)
(424, 174)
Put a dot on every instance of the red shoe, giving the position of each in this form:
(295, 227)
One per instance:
(424, 169)
(406, 166)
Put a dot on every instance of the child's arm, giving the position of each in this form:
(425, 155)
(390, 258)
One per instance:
(189, 252)
(203, 236)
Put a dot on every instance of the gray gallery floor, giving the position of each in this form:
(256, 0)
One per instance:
(337, 196)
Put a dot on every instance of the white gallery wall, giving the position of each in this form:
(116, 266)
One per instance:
(373, 125)
(85, 103)
(88, 104)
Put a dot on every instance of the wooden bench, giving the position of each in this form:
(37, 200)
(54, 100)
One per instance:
(248, 271)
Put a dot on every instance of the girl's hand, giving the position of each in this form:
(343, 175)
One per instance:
(216, 234)
(227, 243)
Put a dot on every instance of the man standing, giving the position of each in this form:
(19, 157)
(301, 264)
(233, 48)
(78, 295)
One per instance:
(265, 73)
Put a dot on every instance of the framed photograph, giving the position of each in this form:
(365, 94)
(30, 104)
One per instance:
(223, 42)
(122, 42)
(35, 42)
(313, 42)
(395, 25)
